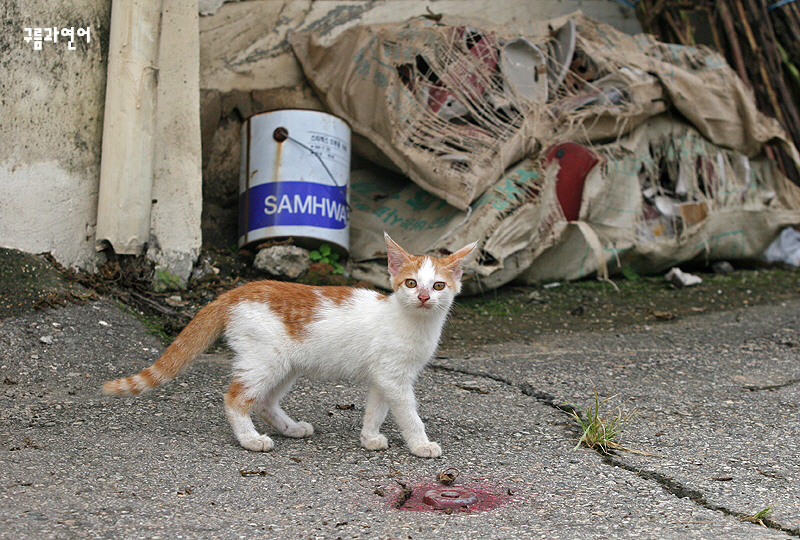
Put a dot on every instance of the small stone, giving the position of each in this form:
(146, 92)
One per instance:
(203, 269)
(285, 261)
(175, 301)
(722, 267)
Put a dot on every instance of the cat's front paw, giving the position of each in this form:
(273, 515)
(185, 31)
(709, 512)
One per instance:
(375, 443)
(262, 443)
(427, 450)
(300, 430)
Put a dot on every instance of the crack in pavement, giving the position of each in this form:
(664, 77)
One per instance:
(773, 387)
(439, 367)
(677, 489)
(670, 485)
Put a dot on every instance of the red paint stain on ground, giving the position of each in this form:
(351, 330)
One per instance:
(488, 498)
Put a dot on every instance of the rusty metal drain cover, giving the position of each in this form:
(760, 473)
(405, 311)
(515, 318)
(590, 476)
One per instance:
(449, 497)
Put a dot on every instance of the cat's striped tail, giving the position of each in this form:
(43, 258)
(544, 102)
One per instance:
(198, 335)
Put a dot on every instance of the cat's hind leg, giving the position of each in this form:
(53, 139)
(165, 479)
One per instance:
(238, 405)
(376, 410)
(270, 410)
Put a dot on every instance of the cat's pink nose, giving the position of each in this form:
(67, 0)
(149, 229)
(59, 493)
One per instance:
(423, 296)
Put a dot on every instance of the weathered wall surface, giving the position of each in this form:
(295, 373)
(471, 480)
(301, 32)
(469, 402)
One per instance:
(244, 47)
(51, 131)
(247, 67)
(51, 119)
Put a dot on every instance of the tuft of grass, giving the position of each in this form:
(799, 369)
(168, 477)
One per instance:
(164, 280)
(759, 517)
(153, 326)
(600, 431)
(326, 255)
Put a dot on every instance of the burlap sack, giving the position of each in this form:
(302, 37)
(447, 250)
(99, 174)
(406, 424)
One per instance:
(479, 165)
(513, 222)
(383, 80)
(665, 195)
(374, 77)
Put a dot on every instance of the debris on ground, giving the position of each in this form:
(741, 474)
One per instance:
(448, 476)
(785, 248)
(404, 496)
(287, 261)
(679, 278)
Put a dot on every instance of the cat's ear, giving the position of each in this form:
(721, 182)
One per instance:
(455, 260)
(397, 255)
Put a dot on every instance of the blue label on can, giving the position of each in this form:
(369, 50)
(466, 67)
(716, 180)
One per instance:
(294, 203)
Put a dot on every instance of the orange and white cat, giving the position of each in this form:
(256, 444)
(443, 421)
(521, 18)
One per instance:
(280, 331)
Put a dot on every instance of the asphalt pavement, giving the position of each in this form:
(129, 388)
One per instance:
(711, 407)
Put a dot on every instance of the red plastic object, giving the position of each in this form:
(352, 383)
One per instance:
(576, 161)
(450, 497)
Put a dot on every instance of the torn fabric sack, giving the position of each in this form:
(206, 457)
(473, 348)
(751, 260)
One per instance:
(676, 165)
(446, 105)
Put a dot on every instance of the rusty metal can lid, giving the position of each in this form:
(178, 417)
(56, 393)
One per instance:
(280, 134)
(449, 497)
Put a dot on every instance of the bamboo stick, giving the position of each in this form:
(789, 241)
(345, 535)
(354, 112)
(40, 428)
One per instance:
(733, 41)
(757, 54)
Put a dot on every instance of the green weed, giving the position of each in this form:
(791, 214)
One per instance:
(325, 255)
(600, 431)
(163, 280)
(759, 516)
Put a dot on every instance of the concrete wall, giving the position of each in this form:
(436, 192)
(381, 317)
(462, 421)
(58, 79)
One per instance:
(52, 116)
(51, 120)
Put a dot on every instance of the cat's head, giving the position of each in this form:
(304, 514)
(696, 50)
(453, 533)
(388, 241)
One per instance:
(423, 282)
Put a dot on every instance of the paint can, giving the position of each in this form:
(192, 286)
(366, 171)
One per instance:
(294, 178)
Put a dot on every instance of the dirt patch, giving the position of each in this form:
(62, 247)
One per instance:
(512, 313)
(524, 313)
(31, 282)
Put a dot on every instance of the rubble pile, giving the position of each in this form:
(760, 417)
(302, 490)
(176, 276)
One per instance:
(566, 148)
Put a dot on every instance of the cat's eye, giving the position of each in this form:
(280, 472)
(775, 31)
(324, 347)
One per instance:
(438, 286)
(411, 283)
